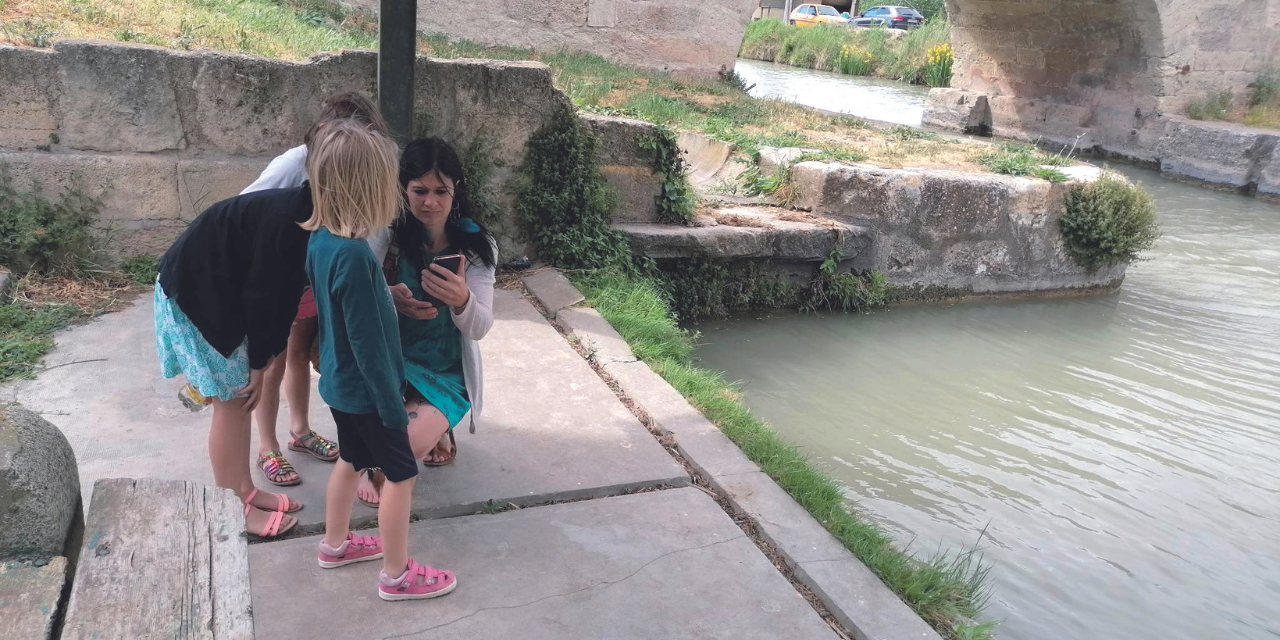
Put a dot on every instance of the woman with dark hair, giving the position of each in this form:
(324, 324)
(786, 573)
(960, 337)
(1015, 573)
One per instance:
(441, 354)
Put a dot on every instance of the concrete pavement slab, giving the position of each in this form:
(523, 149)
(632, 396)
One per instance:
(553, 290)
(552, 430)
(663, 565)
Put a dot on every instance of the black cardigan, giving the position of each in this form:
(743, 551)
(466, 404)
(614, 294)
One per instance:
(238, 270)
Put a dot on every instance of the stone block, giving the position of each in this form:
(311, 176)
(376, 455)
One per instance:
(619, 139)
(40, 511)
(856, 596)
(957, 110)
(203, 182)
(6, 281)
(162, 559)
(503, 102)
(26, 104)
(642, 385)
(706, 156)
(597, 336)
(772, 239)
(701, 442)
(1213, 152)
(139, 192)
(31, 597)
(116, 98)
(861, 602)
(636, 186)
(774, 158)
(553, 290)
(246, 105)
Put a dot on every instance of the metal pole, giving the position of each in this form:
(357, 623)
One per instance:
(397, 46)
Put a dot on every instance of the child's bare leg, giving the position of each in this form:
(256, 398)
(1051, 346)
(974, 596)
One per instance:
(269, 407)
(297, 375)
(229, 453)
(338, 498)
(393, 525)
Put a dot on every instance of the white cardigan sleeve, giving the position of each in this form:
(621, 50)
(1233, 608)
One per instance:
(476, 318)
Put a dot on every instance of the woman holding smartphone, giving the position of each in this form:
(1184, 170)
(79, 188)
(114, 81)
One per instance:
(440, 265)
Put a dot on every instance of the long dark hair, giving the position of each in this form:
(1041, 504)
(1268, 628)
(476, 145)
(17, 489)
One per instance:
(420, 157)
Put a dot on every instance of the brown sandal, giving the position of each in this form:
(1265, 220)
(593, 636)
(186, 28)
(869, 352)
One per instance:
(377, 478)
(453, 455)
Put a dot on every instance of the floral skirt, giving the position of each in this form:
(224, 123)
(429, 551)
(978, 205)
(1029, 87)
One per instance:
(184, 351)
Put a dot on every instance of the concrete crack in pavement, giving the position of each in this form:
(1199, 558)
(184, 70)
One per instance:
(607, 583)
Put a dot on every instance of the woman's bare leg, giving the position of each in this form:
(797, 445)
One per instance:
(426, 424)
(297, 375)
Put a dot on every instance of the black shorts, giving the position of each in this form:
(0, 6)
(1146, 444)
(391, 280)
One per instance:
(364, 442)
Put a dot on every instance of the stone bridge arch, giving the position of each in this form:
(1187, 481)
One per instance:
(1105, 73)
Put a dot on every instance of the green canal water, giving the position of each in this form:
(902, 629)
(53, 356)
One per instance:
(1121, 451)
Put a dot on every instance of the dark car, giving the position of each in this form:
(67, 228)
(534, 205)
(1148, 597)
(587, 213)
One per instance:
(892, 17)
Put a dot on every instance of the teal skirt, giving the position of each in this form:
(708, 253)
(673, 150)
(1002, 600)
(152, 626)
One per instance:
(433, 354)
(184, 351)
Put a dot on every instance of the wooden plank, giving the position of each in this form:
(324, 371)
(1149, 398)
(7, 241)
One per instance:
(161, 559)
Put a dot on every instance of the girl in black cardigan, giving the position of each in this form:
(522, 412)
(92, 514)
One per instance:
(225, 299)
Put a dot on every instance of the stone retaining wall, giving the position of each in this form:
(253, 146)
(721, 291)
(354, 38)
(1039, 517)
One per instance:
(942, 233)
(1219, 154)
(162, 134)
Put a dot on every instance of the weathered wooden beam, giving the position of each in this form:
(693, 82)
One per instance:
(161, 559)
(397, 46)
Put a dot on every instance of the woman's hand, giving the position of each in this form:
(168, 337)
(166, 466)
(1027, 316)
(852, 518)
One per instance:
(409, 306)
(449, 288)
(252, 392)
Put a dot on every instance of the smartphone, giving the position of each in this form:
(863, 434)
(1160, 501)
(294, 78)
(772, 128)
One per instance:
(449, 262)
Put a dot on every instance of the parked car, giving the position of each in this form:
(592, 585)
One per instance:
(808, 15)
(892, 17)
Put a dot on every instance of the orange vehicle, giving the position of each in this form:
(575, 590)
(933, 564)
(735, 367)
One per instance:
(808, 15)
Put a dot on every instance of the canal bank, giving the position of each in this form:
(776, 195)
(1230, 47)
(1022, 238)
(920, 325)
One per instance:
(1118, 451)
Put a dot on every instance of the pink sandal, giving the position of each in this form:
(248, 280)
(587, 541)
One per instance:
(273, 529)
(354, 549)
(282, 502)
(418, 582)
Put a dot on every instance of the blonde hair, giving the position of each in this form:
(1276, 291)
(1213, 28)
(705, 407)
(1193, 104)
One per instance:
(355, 187)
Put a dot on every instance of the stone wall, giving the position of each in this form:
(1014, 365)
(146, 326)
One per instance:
(1101, 74)
(162, 134)
(937, 233)
(686, 38)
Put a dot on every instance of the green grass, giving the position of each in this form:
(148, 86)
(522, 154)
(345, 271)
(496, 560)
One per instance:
(1024, 160)
(829, 47)
(26, 334)
(948, 591)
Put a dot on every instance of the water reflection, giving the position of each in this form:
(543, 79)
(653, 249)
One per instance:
(872, 98)
(1124, 450)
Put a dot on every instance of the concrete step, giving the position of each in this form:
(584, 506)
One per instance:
(665, 564)
(749, 233)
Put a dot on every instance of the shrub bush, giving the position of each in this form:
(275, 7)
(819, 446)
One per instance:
(1108, 221)
(923, 55)
(46, 236)
(563, 203)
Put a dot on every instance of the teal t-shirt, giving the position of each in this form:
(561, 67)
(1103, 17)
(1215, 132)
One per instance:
(361, 367)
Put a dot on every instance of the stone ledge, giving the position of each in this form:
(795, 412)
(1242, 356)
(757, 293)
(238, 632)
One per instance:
(31, 597)
(751, 232)
(553, 290)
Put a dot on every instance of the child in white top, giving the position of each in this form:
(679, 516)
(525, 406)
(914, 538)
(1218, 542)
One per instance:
(288, 170)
